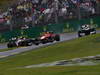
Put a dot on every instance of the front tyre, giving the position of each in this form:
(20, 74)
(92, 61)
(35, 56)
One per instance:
(11, 44)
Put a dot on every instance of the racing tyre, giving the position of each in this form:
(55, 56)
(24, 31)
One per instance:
(29, 44)
(36, 43)
(79, 34)
(57, 38)
(12, 44)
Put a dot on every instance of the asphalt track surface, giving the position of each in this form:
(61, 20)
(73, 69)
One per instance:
(64, 37)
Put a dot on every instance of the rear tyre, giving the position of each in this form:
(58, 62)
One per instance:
(57, 38)
(43, 42)
(79, 34)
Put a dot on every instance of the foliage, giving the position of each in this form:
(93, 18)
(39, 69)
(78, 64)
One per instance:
(2, 39)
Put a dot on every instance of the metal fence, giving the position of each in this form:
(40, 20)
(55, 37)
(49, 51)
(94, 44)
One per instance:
(67, 26)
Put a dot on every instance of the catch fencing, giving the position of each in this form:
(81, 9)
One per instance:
(67, 26)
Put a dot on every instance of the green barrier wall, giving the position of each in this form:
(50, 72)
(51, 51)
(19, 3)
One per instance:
(68, 26)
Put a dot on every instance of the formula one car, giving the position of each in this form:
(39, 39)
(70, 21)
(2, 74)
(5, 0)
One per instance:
(86, 30)
(14, 42)
(46, 38)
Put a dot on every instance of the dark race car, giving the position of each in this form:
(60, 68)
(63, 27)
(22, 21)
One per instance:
(46, 38)
(86, 30)
(19, 42)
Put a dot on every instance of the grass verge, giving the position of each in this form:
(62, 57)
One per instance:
(85, 46)
(7, 49)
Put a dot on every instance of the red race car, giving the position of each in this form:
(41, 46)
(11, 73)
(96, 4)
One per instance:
(47, 37)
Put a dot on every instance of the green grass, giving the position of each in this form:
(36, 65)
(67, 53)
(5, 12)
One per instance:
(76, 70)
(86, 46)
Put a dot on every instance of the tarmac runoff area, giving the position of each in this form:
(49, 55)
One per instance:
(84, 61)
(64, 37)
